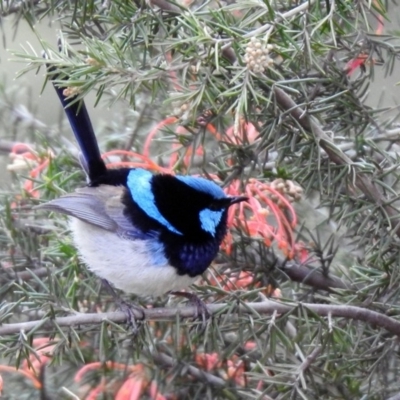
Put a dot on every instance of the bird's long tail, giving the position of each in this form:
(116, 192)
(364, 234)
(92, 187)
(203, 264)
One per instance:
(83, 130)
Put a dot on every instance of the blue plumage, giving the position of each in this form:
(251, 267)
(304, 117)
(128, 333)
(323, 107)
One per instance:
(209, 220)
(82, 127)
(145, 233)
(139, 184)
(203, 185)
(198, 258)
(157, 251)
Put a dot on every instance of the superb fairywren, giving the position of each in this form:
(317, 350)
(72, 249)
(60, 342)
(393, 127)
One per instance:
(145, 233)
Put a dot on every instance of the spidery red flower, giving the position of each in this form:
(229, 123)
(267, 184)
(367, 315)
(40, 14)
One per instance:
(25, 157)
(31, 366)
(251, 216)
(134, 387)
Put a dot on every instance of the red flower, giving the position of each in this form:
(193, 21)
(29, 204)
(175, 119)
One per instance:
(251, 216)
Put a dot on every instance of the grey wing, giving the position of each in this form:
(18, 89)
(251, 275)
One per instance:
(99, 206)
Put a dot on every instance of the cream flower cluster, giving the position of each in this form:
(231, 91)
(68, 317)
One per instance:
(257, 55)
(292, 191)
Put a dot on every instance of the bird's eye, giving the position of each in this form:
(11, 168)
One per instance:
(215, 207)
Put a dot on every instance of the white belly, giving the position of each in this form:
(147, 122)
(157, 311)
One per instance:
(125, 263)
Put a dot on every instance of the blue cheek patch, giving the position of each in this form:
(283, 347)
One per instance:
(209, 220)
(203, 185)
(140, 188)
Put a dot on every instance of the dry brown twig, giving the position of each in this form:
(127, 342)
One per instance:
(359, 180)
(267, 306)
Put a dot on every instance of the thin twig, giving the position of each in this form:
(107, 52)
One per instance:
(165, 6)
(6, 146)
(22, 276)
(280, 17)
(17, 7)
(265, 307)
(129, 143)
(313, 277)
(361, 181)
(310, 359)
(197, 373)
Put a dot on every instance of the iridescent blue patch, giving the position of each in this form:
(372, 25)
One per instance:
(209, 220)
(157, 252)
(203, 185)
(195, 260)
(140, 188)
(154, 247)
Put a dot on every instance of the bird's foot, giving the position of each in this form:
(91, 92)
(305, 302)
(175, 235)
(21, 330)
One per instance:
(131, 310)
(134, 314)
(201, 307)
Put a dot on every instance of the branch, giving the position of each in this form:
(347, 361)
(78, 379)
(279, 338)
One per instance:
(18, 7)
(280, 17)
(312, 277)
(165, 6)
(309, 276)
(309, 360)
(6, 146)
(266, 307)
(195, 372)
(22, 276)
(337, 156)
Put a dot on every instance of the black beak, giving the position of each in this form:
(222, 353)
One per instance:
(237, 199)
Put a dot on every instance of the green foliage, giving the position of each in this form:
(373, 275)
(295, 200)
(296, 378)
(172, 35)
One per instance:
(156, 60)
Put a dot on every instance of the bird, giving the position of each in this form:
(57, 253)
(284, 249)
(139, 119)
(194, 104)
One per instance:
(143, 233)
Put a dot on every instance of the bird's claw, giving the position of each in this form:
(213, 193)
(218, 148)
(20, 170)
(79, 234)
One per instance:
(201, 307)
(201, 310)
(131, 311)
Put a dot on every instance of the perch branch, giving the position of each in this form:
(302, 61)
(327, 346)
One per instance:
(265, 307)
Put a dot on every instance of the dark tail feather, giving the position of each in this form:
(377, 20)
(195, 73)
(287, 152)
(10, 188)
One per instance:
(83, 130)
